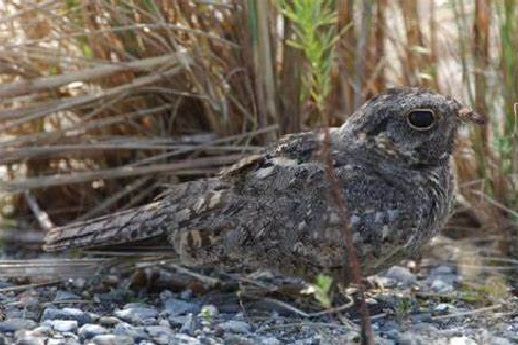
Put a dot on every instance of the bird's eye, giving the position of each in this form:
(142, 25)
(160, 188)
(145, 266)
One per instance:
(421, 119)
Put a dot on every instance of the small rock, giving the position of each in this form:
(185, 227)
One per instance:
(13, 325)
(64, 325)
(462, 341)
(402, 275)
(137, 314)
(499, 341)
(234, 326)
(442, 269)
(165, 295)
(443, 308)
(125, 329)
(177, 321)
(78, 283)
(441, 286)
(42, 331)
(61, 341)
(66, 314)
(271, 341)
(186, 294)
(30, 340)
(175, 307)
(108, 320)
(90, 330)
(110, 339)
(182, 339)
(240, 340)
(192, 322)
(111, 279)
(160, 335)
(157, 331)
(62, 295)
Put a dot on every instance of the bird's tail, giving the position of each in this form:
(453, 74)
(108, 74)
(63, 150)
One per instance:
(176, 208)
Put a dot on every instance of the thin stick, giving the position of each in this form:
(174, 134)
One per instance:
(354, 264)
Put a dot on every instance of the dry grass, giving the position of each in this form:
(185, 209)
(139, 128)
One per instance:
(102, 102)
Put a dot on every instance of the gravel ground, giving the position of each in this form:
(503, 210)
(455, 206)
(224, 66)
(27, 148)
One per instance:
(164, 305)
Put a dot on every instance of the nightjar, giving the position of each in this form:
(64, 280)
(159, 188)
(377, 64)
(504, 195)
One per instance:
(274, 210)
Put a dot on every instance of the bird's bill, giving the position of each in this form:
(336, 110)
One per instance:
(471, 115)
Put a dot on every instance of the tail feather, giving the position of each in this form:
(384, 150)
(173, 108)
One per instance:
(122, 227)
(178, 209)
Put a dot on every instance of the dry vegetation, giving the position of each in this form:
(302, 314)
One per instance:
(102, 102)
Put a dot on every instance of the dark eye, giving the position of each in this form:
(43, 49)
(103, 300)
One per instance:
(421, 119)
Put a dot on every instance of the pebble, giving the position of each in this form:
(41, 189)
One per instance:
(90, 330)
(175, 307)
(442, 269)
(62, 295)
(402, 275)
(234, 326)
(108, 320)
(462, 341)
(126, 329)
(64, 325)
(182, 339)
(137, 314)
(190, 325)
(16, 324)
(66, 314)
(42, 331)
(441, 286)
(187, 317)
(110, 339)
(500, 341)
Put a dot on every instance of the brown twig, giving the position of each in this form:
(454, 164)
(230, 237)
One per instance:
(354, 264)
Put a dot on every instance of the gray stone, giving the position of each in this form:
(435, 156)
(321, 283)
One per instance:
(166, 294)
(125, 329)
(62, 295)
(64, 325)
(270, 341)
(443, 308)
(13, 325)
(402, 275)
(234, 326)
(182, 339)
(186, 294)
(175, 307)
(158, 331)
(90, 330)
(109, 339)
(500, 341)
(240, 340)
(108, 320)
(28, 340)
(442, 269)
(441, 286)
(461, 341)
(137, 314)
(159, 334)
(66, 314)
(42, 331)
(192, 322)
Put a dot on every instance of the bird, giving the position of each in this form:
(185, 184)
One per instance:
(273, 211)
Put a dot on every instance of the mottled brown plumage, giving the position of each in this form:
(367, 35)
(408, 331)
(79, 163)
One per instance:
(391, 157)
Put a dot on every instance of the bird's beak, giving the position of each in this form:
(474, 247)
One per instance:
(469, 114)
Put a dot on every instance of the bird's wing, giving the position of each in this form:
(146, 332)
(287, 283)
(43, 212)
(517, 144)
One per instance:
(180, 208)
(177, 206)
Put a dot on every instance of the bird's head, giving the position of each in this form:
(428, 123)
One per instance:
(410, 126)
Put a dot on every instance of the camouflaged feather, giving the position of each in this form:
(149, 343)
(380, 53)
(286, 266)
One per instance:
(274, 210)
